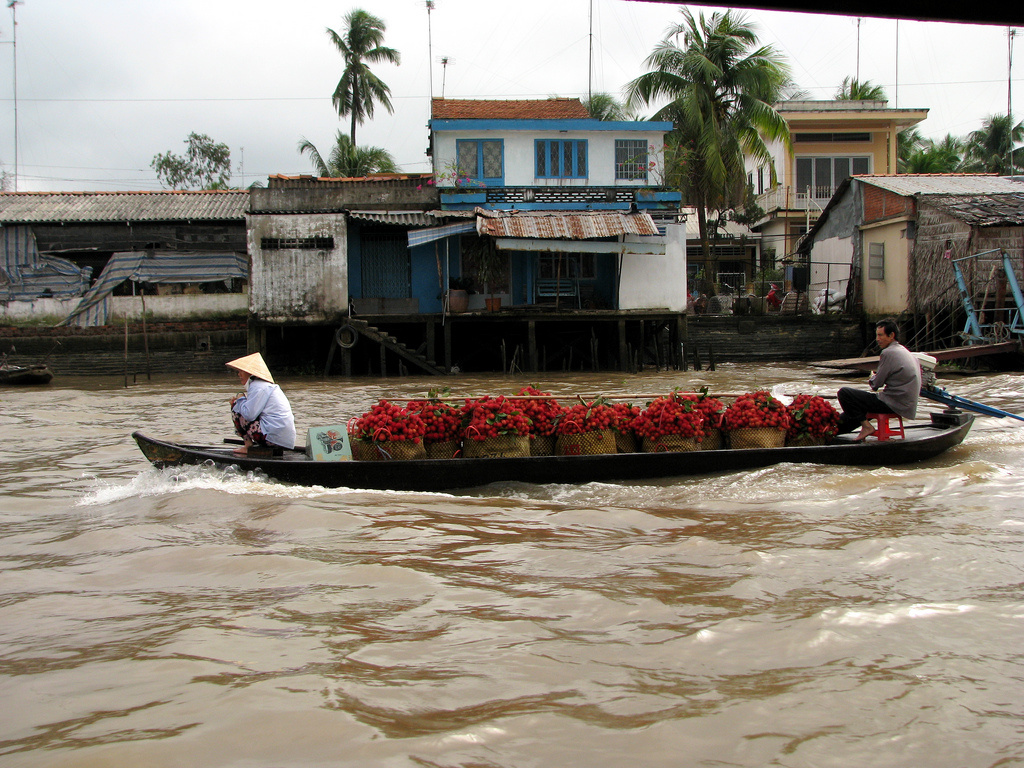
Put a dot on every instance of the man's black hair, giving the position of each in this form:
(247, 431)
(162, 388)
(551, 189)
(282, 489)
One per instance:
(889, 327)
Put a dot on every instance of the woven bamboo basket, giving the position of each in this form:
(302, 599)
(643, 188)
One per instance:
(805, 439)
(669, 443)
(625, 442)
(586, 444)
(757, 437)
(542, 445)
(445, 449)
(387, 450)
(712, 440)
(499, 447)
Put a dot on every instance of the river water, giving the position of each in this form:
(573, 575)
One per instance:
(793, 616)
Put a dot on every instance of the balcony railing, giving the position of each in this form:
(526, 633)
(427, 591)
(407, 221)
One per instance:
(791, 199)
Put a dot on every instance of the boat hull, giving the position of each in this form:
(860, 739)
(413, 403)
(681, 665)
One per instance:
(17, 375)
(922, 443)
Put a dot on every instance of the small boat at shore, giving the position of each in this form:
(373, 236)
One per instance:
(923, 441)
(25, 374)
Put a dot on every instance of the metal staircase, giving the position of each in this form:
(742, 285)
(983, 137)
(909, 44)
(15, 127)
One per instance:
(355, 329)
(978, 332)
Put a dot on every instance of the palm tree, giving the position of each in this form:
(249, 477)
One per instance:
(853, 89)
(604, 106)
(347, 160)
(930, 156)
(722, 88)
(991, 148)
(358, 87)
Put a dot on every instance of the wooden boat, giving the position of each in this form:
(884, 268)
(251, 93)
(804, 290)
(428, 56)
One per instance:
(25, 374)
(924, 441)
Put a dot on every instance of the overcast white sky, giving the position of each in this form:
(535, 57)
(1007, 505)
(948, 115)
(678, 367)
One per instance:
(104, 86)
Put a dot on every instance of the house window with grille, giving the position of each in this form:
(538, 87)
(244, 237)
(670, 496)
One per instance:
(561, 158)
(297, 243)
(630, 160)
(481, 160)
(876, 261)
(822, 175)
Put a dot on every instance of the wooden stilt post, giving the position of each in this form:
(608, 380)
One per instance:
(531, 344)
(623, 347)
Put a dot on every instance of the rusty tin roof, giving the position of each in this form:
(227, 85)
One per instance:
(562, 225)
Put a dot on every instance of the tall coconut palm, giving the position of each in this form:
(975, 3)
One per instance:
(930, 156)
(358, 88)
(993, 147)
(853, 89)
(347, 160)
(721, 86)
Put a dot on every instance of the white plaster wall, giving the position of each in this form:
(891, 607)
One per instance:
(519, 155)
(179, 306)
(653, 282)
(300, 284)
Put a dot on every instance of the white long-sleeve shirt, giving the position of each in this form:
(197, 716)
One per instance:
(266, 402)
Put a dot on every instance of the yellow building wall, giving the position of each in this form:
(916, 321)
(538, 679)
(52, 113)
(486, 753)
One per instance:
(892, 294)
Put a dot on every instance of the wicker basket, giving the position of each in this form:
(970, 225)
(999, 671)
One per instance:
(625, 442)
(712, 440)
(499, 447)
(586, 444)
(542, 445)
(446, 449)
(387, 450)
(669, 443)
(757, 437)
(805, 439)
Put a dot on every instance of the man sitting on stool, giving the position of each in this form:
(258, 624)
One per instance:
(897, 382)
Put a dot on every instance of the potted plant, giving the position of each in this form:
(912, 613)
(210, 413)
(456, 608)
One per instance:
(458, 294)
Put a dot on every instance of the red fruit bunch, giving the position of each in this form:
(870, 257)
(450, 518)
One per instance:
(493, 416)
(387, 422)
(673, 415)
(442, 422)
(624, 416)
(586, 417)
(543, 413)
(713, 410)
(756, 409)
(812, 415)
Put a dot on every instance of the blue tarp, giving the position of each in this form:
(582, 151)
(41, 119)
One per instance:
(26, 274)
(151, 267)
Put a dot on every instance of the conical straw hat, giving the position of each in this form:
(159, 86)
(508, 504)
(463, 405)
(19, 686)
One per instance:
(253, 365)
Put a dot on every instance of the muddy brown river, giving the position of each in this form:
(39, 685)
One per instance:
(792, 616)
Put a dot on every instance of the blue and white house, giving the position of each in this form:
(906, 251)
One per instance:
(577, 206)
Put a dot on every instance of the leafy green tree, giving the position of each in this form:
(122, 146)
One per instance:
(360, 44)
(993, 147)
(347, 160)
(205, 165)
(721, 86)
(853, 89)
(604, 106)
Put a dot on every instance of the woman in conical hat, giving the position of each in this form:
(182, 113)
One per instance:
(262, 415)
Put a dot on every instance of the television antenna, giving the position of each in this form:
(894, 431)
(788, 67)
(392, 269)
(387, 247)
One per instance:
(13, 5)
(444, 61)
(430, 48)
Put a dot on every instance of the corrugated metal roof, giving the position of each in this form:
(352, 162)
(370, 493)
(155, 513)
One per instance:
(944, 183)
(982, 210)
(561, 225)
(408, 218)
(56, 207)
(508, 109)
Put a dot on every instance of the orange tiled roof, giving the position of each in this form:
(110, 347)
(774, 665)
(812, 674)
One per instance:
(508, 109)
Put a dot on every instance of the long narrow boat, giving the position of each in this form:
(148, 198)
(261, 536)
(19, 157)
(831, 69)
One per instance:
(922, 442)
(25, 374)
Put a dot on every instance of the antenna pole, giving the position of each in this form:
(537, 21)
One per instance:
(1010, 32)
(590, 60)
(13, 5)
(430, 50)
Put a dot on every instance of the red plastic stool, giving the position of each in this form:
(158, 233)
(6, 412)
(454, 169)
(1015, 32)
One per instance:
(883, 431)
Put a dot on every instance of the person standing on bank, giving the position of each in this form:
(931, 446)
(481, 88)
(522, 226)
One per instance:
(897, 383)
(262, 415)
